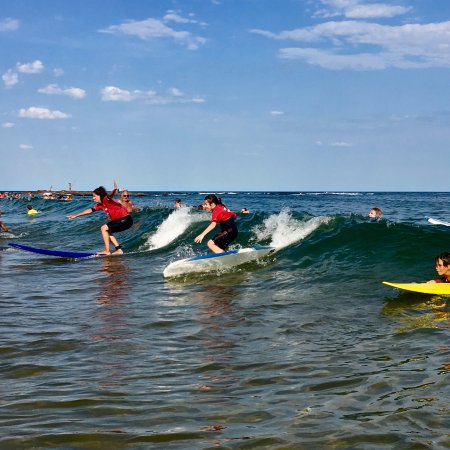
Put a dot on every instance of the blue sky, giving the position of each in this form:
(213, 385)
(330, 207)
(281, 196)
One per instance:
(217, 95)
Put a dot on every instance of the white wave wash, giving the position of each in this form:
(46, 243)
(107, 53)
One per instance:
(285, 230)
(174, 226)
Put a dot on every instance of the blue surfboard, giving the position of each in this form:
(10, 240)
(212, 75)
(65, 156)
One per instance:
(217, 261)
(57, 253)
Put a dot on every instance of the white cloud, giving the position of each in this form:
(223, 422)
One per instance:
(175, 92)
(334, 144)
(35, 112)
(151, 28)
(403, 46)
(341, 144)
(58, 72)
(31, 68)
(276, 113)
(9, 24)
(357, 9)
(10, 78)
(8, 125)
(54, 89)
(26, 147)
(116, 94)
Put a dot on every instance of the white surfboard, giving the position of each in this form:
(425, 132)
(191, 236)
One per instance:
(438, 222)
(216, 261)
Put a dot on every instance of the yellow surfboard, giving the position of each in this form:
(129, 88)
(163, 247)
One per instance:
(423, 288)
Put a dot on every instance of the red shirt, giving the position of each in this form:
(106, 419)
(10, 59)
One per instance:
(220, 213)
(114, 209)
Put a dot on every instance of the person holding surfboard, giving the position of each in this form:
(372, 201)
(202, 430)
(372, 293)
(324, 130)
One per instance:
(225, 218)
(121, 219)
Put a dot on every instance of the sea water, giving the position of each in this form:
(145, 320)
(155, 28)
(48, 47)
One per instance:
(304, 350)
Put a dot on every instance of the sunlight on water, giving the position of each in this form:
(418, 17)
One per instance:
(284, 230)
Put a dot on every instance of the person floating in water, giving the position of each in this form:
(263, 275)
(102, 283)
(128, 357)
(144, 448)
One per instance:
(3, 227)
(31, 211)
(225, 218)
(442, 265)
(177, 203)
(119, 215)
(376, 213)
(125, 201)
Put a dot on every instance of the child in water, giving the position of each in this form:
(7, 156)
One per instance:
(31, 211)
(119, 215)
(223, 216)
(442, 265)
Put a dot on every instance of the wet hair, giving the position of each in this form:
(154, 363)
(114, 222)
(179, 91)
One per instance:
(377, 212)
(211, 198)
(101, 192)
(444, 257)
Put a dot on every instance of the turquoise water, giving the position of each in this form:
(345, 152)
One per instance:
(306, 350)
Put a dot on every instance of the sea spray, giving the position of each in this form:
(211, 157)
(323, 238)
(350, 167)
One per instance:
(172, 227)
(284, 230)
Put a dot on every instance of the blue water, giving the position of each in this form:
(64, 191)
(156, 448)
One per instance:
(305, 350)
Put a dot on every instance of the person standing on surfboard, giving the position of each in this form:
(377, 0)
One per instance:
(119, 215)
(442, 264)
(225, 218)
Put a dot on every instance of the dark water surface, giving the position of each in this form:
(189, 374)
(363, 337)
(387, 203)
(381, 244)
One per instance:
(307, 350)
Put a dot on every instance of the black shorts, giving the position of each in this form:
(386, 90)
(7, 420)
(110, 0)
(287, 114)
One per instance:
(121, 224)
(227, 235)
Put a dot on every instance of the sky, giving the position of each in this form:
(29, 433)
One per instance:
(225, 95)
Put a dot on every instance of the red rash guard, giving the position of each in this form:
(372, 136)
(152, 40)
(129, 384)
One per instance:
(221, 214)
(114, 209)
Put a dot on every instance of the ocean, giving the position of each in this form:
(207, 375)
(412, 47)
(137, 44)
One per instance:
(304, 350)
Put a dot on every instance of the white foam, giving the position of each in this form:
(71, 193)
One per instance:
(173, 226)
(284, 230)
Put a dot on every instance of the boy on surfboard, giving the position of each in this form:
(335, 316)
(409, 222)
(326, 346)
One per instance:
(225, 218)
(121, 219)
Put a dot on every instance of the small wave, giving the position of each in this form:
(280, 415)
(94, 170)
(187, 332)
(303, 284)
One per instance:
(172, 227)
(284, 230)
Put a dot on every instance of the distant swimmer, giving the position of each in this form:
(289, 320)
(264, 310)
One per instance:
(119, 215)
(3, 227)
(31, 211)
(442, 265)
(245, 211)
(177, 203)
(225, 218)
(125, 201)
(376, 213)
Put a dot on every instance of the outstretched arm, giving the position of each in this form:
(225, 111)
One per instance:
(113, 192)
(209, 228)
(82, 213)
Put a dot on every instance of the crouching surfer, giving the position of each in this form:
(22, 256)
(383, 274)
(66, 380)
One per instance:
(121, 219)
(225, 218)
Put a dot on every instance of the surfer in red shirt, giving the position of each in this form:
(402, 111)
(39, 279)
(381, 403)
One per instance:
(225, 218)
(119, 215)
